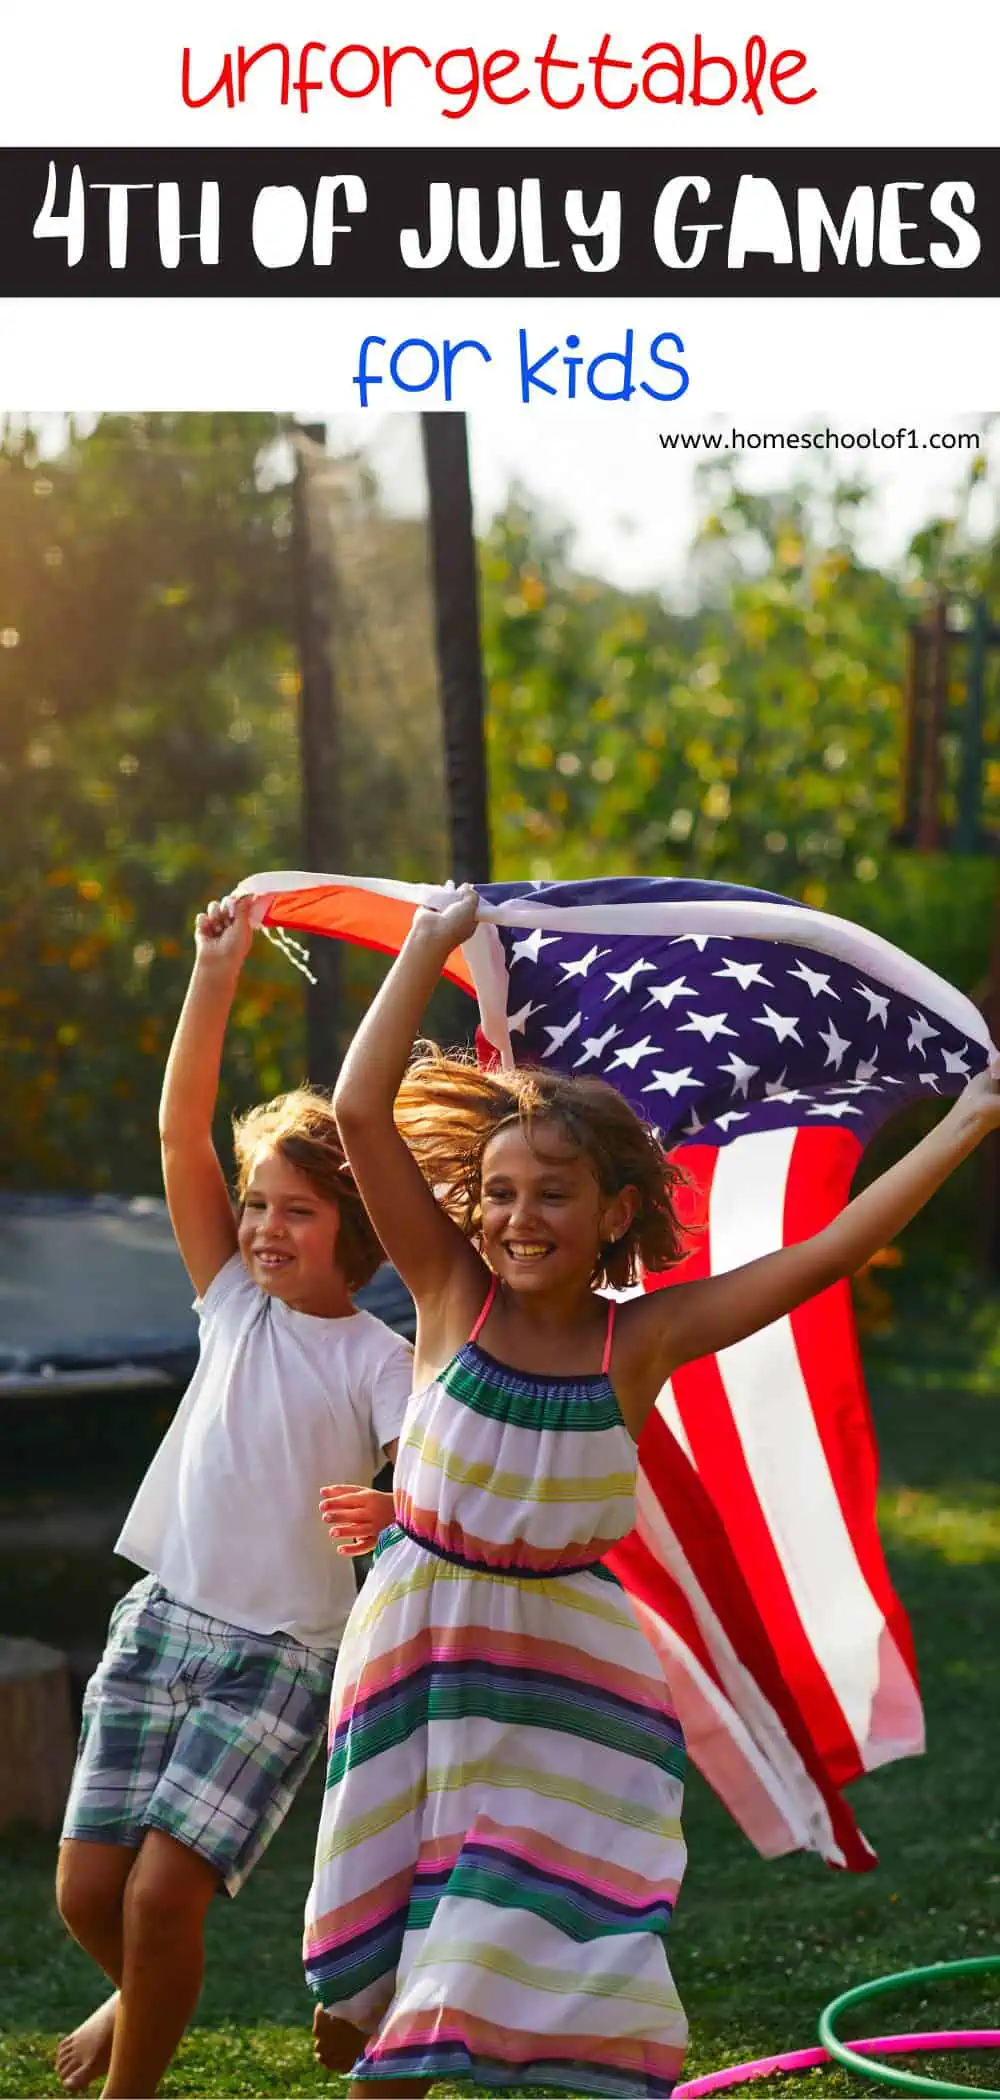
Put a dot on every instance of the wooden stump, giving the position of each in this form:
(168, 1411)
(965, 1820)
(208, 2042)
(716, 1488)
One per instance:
(36, 1734)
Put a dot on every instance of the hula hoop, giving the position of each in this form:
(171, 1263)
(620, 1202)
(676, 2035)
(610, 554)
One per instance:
(907, 2081)
(808, 2059)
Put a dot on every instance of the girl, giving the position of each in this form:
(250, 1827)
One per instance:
(500, 1847)
(207, 1709)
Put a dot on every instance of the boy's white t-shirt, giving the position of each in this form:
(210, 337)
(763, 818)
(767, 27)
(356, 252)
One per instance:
(281, 1404)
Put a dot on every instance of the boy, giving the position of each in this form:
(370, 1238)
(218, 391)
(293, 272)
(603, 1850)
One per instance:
(210, 1702)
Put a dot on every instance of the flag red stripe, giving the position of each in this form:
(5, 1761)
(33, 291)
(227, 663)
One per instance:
(703, 1537)
(719, 1457)
(364, 917)
(822, 1169)
(692, 1201)
(656, 1587)
(703, 1403)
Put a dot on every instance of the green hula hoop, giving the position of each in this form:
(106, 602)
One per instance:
(887, 2074)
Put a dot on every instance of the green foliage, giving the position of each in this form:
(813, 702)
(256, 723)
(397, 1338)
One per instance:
(149, 738)
(147, 688)
(149, 757)
(756, 739)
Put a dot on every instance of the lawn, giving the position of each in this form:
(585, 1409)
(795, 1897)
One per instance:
(757, 1948)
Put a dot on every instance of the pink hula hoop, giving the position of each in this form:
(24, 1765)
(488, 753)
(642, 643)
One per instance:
(807, 2059)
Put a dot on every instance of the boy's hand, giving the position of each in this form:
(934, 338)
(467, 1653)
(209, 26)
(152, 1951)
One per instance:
(223, 933)
(355, 1516)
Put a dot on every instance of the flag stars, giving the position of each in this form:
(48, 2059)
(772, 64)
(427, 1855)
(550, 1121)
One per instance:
(708, 1026)
(665, 994)
(671, 1082)
(518, 1022)
(595, 1045)
(739, 1072)
(633, 1054)
(583, 963)
(817, 980)
(878, 1003)
(529, 947)
(764, 988)
(920, 1033)
(622, 980)
(836, 1045)
(745, 974)
(561, 1035)
(785, 1026)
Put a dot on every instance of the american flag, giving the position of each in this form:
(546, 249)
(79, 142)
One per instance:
(765, 1042)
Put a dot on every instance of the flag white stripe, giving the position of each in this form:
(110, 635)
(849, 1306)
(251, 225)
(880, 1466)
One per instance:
(667, 1407)
(277, 882)
(804, 1808)
(724, 1749)
(773, 1416)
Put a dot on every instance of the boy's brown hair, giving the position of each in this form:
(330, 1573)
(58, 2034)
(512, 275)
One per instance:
(301, 1126)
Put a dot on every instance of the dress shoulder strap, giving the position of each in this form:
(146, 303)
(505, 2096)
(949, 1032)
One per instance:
(606, 1358)
(490, 1295)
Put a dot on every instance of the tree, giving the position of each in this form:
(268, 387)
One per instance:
(755, 738)
(149, 701)
(147, 693)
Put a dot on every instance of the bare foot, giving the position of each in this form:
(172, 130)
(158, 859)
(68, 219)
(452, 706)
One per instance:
(337, 2044)
(86, 2053)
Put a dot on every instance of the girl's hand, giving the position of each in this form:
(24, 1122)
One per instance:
(982, 1096)
(355, 1516)
(454, 924)
(223, 933)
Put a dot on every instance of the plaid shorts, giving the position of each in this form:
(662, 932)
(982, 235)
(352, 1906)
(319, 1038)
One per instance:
(198, 1728)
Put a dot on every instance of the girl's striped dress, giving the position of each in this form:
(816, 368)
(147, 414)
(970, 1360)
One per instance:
(500, 1846)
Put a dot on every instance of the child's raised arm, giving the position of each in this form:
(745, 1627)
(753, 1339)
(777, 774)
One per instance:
(671, 1327)
(426, 1246)
(198, 1200)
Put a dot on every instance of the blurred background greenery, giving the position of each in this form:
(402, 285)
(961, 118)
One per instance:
(149, 690)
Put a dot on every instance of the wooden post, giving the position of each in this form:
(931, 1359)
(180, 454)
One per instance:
(990, 1150)
(318, 747)
(912, 724)
(455, 575)
(968, 827)
(934, 715)
(36, 1734)
(459, 653)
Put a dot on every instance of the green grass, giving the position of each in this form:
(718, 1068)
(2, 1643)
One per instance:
(757, 1948)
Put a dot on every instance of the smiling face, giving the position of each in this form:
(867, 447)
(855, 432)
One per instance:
(544, 1218)
(288, 1238)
